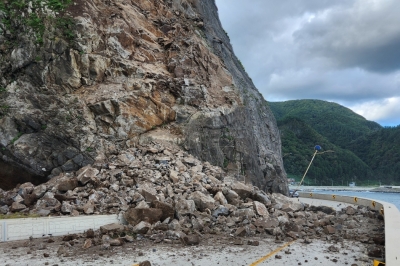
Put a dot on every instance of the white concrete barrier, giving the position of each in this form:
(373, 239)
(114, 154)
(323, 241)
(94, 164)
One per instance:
(373, 204)
(19, 229)
(389, 211)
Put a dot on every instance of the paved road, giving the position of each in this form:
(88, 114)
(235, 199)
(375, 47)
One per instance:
(316, 253)
(206, 254)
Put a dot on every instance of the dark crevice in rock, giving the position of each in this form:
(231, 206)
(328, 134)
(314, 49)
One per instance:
(11, 176)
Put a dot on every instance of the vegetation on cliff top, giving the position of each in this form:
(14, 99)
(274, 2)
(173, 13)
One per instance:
(29, 25)
(37, 16)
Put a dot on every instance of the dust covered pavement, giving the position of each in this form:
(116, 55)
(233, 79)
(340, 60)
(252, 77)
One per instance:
(175, 204)
(213, 250)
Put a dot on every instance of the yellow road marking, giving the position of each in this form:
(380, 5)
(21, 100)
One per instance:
(272, 253)
(378, 263)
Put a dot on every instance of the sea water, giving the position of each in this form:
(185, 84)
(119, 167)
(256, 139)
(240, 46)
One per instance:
(393, 198)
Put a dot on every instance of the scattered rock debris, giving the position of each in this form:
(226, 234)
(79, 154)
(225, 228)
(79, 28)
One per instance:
(168, 196)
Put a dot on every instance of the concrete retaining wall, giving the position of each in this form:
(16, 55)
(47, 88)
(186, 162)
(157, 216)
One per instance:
(389, 211)
(373, 204)
(18, 229)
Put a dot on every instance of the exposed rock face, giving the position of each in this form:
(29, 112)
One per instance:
(135, 71)
(254, 133)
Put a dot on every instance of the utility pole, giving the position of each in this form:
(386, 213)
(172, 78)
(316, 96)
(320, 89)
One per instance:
(317, 149)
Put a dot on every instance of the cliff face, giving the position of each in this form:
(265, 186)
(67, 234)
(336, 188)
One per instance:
(106, 75)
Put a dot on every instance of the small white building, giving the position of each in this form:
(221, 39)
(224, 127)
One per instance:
(352, 184)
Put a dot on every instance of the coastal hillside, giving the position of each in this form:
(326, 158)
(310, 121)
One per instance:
(333, 165)
(81, 80)
(355, 149)
(380, 150)
(337, 123)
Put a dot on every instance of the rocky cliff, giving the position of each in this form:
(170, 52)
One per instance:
(81, 80)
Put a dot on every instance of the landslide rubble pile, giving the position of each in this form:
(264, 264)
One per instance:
(165, 194)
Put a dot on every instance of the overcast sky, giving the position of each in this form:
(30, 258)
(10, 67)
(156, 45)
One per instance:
(345, 51)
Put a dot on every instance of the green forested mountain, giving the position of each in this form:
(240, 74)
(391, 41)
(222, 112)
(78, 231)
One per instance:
(354, 149)
(337, 123)
(381, 151)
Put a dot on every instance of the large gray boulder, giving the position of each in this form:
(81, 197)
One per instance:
(86, 173)
(67, 184)
(286, 204)
(184, 207)
(167, 210)
(242, 190)
(202, 201)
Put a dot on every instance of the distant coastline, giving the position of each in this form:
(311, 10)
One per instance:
(382, 189)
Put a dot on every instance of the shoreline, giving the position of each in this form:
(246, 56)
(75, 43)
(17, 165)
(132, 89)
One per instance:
(392, 189)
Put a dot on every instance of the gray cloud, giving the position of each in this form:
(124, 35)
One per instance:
(343, 51)
(365, 34)
(348, 85)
